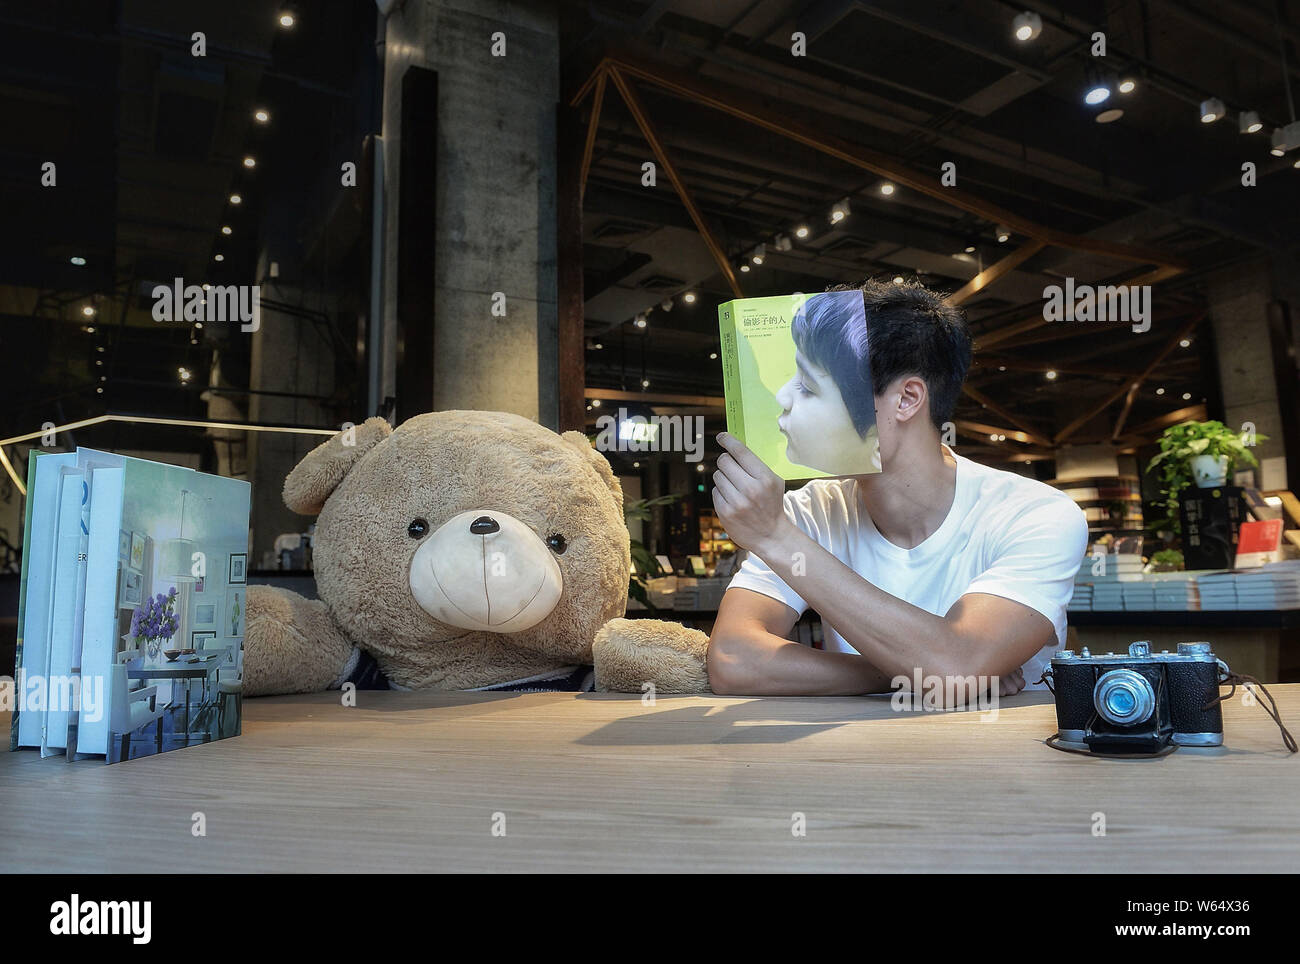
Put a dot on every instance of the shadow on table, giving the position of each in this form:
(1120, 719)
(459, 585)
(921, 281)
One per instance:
(760, 720)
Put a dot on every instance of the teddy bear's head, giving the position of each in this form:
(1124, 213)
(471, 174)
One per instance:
(461, 538)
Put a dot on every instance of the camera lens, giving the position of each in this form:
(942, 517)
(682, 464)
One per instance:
(1123, 697)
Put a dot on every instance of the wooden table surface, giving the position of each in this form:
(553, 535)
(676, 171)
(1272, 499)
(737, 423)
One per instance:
(415, 782)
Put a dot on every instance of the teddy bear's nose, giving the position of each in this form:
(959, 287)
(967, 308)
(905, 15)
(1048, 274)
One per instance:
(484, 525)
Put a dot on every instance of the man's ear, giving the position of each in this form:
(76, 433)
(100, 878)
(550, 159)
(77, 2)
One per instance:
(912, 396)
(313, 479)
(598, 462)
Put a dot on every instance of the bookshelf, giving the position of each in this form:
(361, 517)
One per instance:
(713, 539)
(1111, 503)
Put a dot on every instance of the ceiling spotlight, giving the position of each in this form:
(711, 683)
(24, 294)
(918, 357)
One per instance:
(759, 252)
(1028, 26)
(801, 231)
(1212, 110)
(88, 311)
(744, 269)
(218, 257)
(666, 304)
(782, 242)
(645, 383)
(1096, 94)
(261, 115)
(1050, 375)
(1003, 233)
(1002, 368)
(1285, 138)
(89, 329)
(1296, 164)
(898, 279)
(1160, 391)
(640, 320)
(636, 465)
(713, 356)
(689, 297)
(236, 199)
(287, 19)
(595, 403)
(840, 210)
(225, 229)
(250, 161)
(993, 438)
(206, 286)
(1249, 122)
(970, 249)
(98, 362)
(1184, 343)
(700, 467)
(99, 391)
(1187, 396)
(77, 260)
(886, 189)
(1127, 85)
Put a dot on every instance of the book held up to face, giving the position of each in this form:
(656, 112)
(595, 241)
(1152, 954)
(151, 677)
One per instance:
(797, 378)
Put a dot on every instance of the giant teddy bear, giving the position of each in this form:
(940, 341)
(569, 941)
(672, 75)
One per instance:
(462, 550)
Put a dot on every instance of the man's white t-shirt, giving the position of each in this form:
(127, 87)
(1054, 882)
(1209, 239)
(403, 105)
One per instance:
(1005, 535)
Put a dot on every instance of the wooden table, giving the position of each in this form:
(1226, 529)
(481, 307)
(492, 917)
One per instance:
(412, 781)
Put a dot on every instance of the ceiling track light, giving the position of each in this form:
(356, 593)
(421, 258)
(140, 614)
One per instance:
(802, 231)
(1249, 122)
(887, 189)
(758, 254)
(1003, 233)
(1098, 91)
(1212, 109)
(1027, 26)
(840, 210)
(1285, 139)
(782, 242)
(1127, 85)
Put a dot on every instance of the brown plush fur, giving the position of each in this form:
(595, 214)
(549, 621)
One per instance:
(632, 652)
(434, 467)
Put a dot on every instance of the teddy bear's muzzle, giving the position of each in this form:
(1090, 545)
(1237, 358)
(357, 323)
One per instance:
(485, 570)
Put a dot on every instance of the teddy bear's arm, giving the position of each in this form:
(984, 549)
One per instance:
(291, 644)
(629, 653)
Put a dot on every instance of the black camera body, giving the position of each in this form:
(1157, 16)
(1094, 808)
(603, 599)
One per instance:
(1138, 702)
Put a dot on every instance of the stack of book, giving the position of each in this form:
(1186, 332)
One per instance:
(1120, 585)
(1275, 586)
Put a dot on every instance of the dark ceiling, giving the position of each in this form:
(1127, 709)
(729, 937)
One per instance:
(926, 83)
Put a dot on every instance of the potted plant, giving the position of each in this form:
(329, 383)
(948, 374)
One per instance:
(1203, 453)
(1166, 560)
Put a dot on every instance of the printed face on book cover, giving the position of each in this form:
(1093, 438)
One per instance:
(828, 412)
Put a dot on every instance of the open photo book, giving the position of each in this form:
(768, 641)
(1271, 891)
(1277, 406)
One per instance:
(131, 607)
(797, 378)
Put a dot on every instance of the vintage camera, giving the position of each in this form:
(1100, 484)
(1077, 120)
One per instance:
(1139, 702)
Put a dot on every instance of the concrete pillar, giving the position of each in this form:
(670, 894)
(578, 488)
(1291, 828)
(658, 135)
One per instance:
(1238, 302)
(496, 207)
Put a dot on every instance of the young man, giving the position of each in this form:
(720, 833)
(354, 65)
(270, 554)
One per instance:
(937, 564)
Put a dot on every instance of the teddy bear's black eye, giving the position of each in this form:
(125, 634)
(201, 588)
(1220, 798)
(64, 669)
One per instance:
(557, 543)
(417, 528)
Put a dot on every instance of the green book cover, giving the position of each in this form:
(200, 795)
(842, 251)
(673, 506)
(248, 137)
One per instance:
(797, 377)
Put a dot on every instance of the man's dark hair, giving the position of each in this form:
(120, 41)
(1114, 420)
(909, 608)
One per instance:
(910, 330)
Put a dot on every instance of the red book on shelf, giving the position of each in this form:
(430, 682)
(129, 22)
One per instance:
(1258, 543)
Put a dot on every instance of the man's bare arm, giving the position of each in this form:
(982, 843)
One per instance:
(750, 656)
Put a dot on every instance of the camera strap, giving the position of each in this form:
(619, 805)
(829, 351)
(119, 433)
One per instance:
(1251, 684)
(1054, 742)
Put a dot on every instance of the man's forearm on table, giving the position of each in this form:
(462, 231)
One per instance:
(763, 664)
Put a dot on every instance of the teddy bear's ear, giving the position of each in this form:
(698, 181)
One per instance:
(598, 462)
(313, 479)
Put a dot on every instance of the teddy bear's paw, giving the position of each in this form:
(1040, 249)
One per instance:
(291, 644)
(629, 653)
